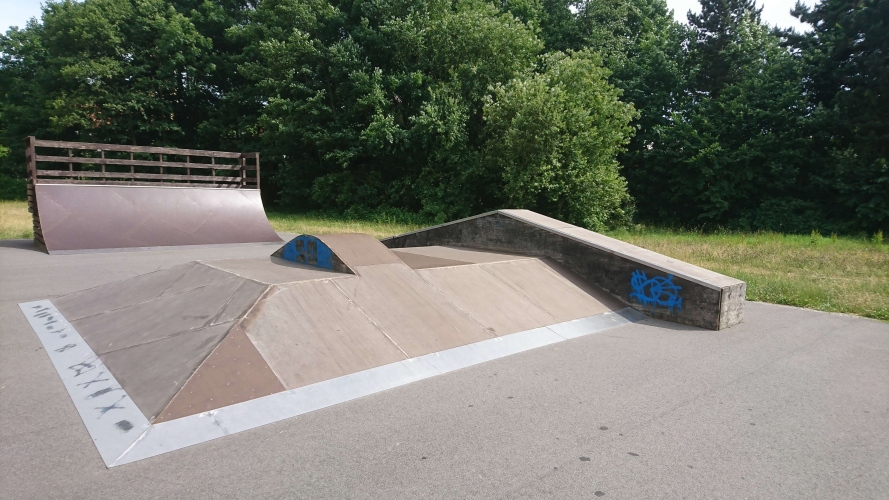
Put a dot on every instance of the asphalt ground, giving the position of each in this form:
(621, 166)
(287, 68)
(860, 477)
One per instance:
(789, 404)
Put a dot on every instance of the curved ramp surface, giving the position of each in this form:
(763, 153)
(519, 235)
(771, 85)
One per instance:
(337, 252)
(76, 218)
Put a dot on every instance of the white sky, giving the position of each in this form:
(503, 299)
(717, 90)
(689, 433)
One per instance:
(775, 12)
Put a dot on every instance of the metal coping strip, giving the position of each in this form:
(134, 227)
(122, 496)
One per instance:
(123, 435)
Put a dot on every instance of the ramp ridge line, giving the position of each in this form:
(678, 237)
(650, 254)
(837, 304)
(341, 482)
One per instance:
(374, 323)
(464, 311)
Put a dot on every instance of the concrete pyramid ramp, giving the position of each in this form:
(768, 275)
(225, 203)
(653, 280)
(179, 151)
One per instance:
(153, 331)
(211, 348)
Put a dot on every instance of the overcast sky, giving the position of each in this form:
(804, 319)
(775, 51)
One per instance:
(775, 12)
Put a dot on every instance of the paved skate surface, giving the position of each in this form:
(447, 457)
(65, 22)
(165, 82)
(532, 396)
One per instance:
(789, 404)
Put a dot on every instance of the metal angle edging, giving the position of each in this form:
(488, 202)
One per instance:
(125, 435)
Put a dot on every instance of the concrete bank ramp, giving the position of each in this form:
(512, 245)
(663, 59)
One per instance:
(212, 348)
(655, 284)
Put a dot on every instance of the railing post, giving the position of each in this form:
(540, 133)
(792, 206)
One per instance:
(31, 159)
(243, 163)
(257, 170)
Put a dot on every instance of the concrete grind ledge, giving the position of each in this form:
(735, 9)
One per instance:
(655, 284)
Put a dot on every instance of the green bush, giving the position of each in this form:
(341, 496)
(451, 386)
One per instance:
(555, 135)
(13, 189)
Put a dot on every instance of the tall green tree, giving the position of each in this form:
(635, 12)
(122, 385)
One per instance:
(556, 134)
(147, 72)
(846, 53)
(387, 104)
(125, 71)
(720, 25)
(734, 151)
(644, 48)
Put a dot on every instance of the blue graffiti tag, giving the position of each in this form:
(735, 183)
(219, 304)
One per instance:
(657, 291)
(309, 250)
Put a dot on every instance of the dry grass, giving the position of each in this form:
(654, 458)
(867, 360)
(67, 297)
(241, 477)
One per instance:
(15, 220)
(829, 274)
(320, 224)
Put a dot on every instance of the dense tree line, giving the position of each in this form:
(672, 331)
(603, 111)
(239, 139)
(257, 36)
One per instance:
(593, 111)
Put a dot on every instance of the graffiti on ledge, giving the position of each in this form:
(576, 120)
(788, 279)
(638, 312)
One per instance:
(657, 291)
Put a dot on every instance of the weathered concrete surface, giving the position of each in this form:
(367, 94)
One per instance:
(683, 401)
(644, 279)
(233, 373)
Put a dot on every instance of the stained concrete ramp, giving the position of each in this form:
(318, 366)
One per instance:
(152, 373)
(310, 332)
(235, 372)
(497, 306)
(542, 285)
(221, 346)
(155, 330)
(656, 284)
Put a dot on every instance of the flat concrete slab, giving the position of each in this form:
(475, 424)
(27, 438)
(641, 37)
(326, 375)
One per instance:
(420, 261)
(324, 339)
(789, 404)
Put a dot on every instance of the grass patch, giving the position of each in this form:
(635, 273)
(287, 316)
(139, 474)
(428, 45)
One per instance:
(328, 223)
(829, 274)
(15, 220)
(845, 275)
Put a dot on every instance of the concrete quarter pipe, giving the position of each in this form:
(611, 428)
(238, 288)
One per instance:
(202, 350)
(107, 204)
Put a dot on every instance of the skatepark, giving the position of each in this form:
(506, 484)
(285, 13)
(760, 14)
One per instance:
(504, 355)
